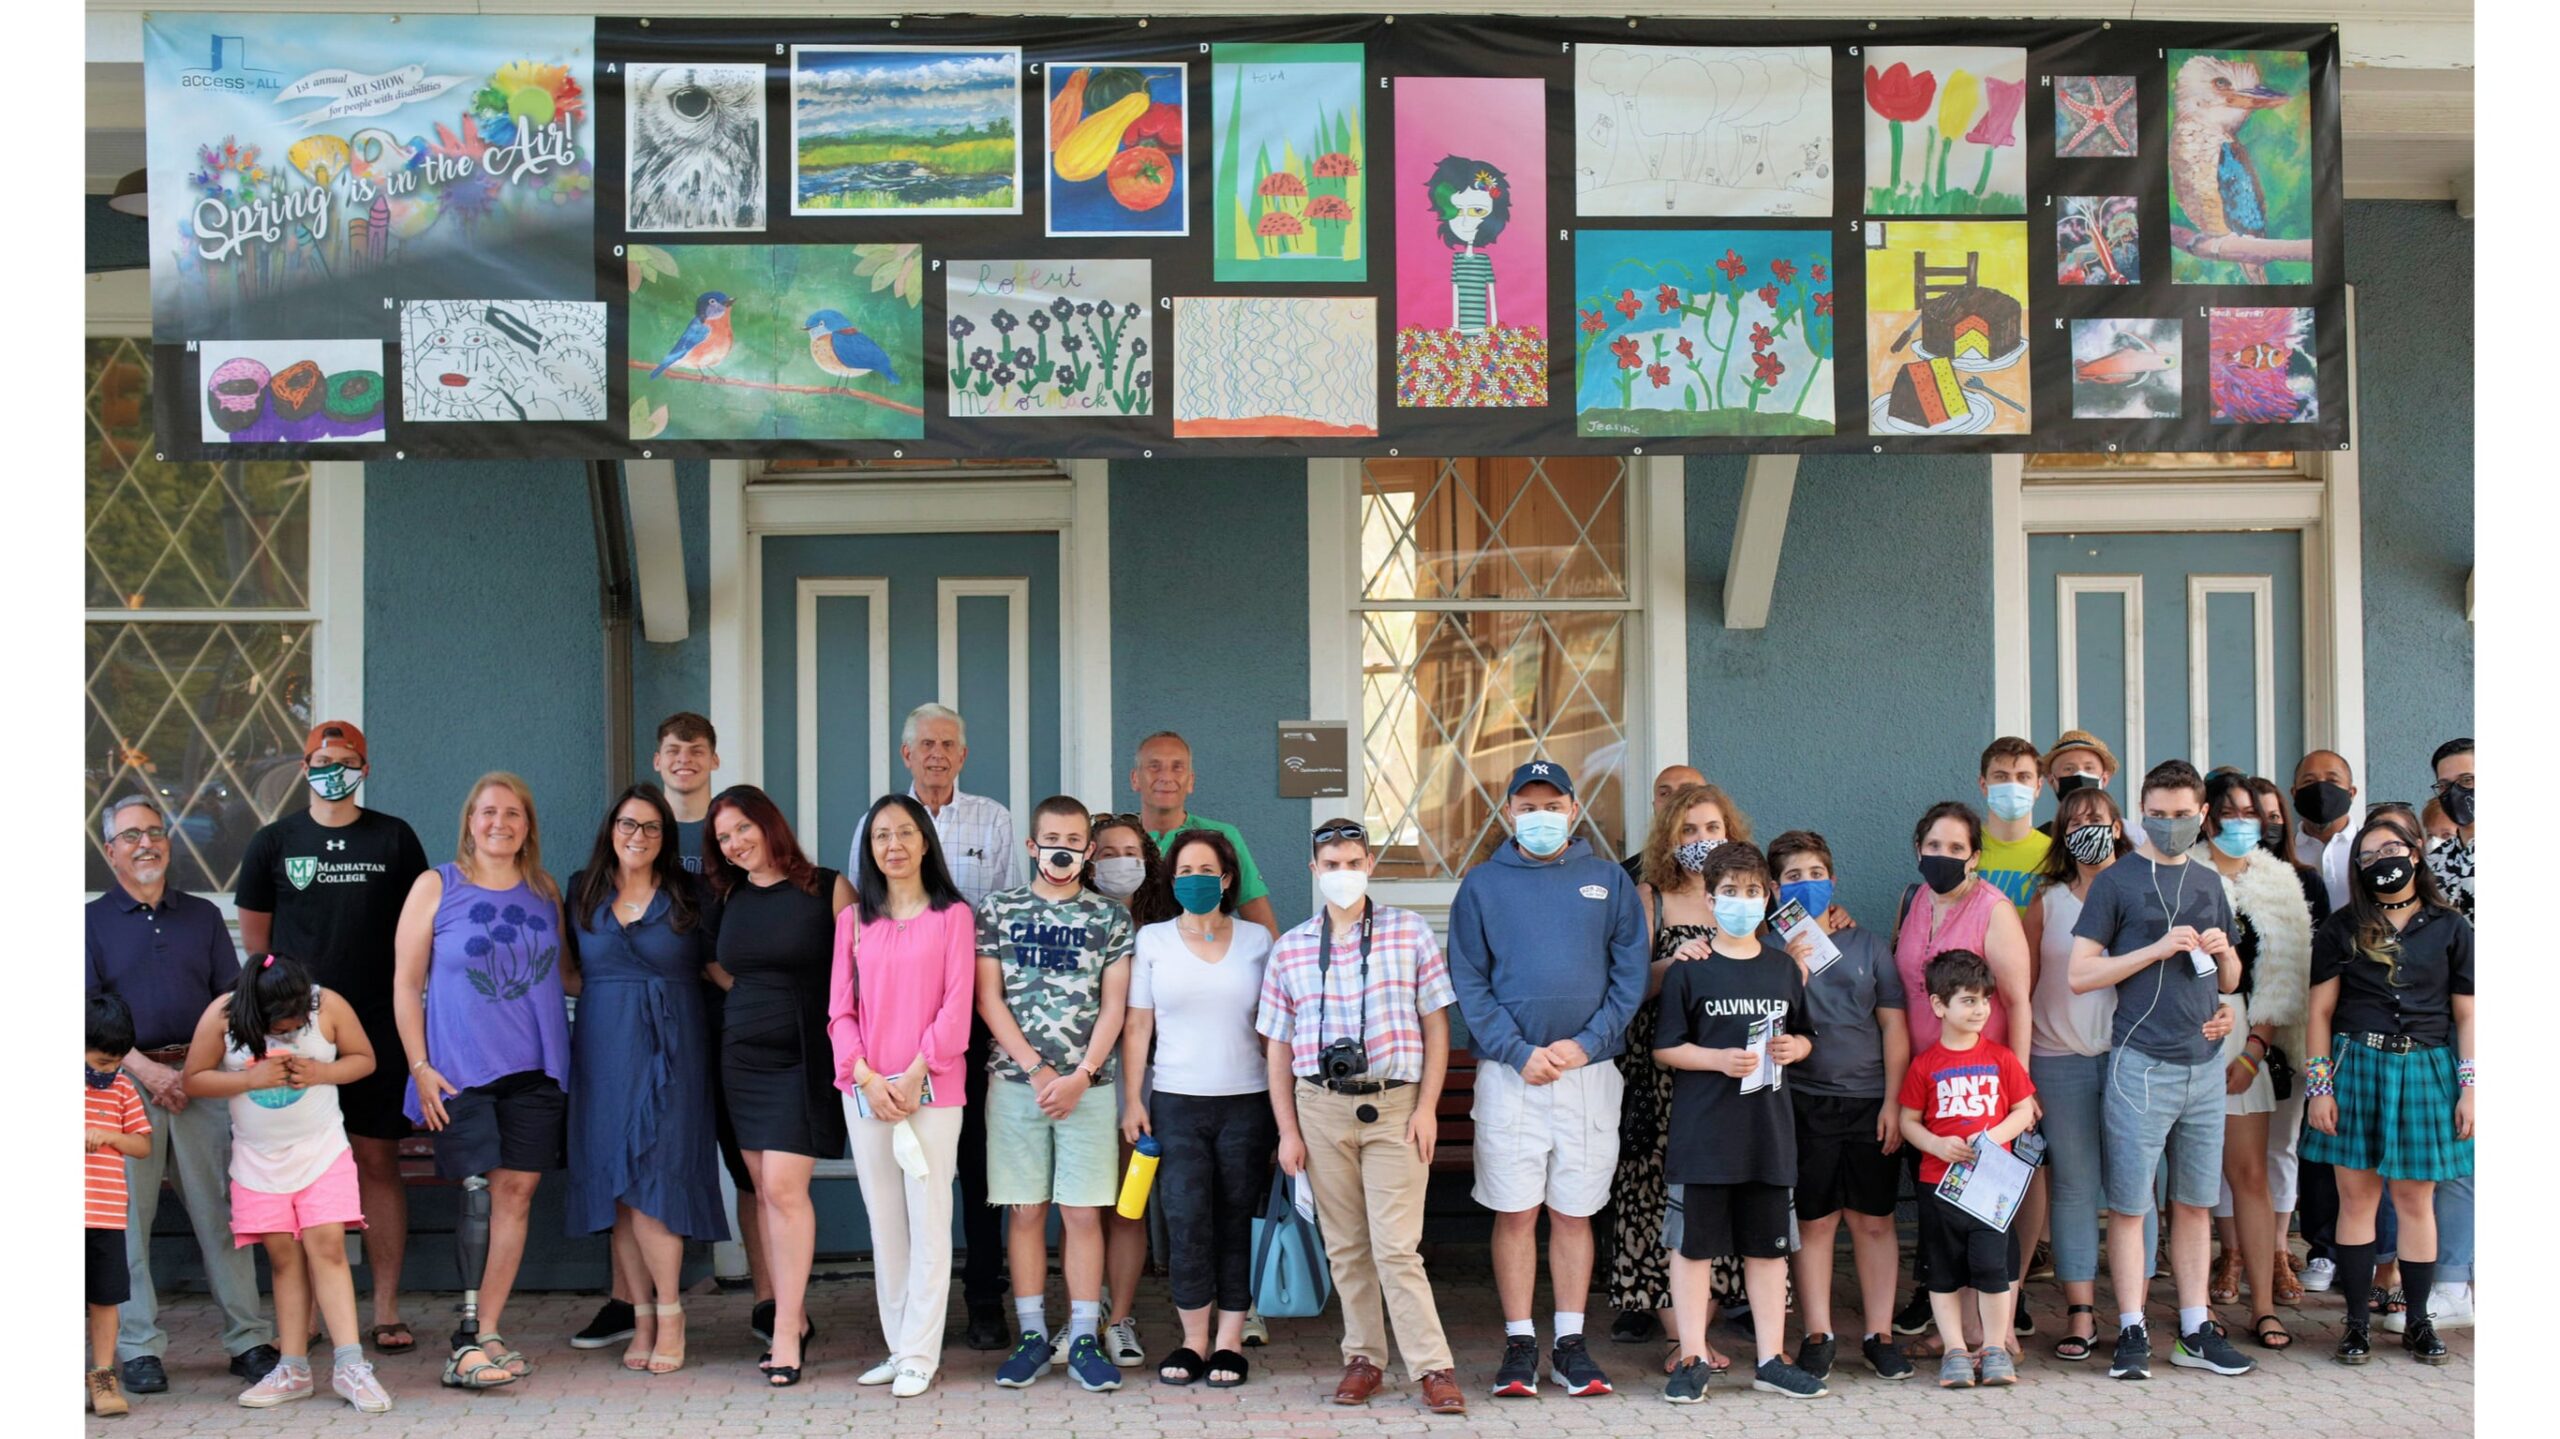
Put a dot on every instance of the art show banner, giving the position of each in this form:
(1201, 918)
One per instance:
(470, 236)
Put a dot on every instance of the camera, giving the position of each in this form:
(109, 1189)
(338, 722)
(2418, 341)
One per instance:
(1343, 1059)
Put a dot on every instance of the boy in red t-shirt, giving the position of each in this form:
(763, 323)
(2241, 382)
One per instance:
(117, 1128)
(1955, 1091)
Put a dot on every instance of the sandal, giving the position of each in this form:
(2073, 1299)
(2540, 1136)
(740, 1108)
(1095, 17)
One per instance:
(781, 1376)
(393, 1338)
(2391, 1301)
(480, 1373)
(1182, 1366)
(2279, 1339)
(2072, 1348)
(1233, 1363)
(510, 1358)
(2225, 1285)
(635, 1357)
(663, 1360)
(2288, 1281)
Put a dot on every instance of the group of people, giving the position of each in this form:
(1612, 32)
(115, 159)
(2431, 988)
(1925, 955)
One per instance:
(2222, 1005)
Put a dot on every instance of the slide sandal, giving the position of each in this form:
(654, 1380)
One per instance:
(393, 1338)
(2277, 1339)
(1232, 1362)
(1185, 1366)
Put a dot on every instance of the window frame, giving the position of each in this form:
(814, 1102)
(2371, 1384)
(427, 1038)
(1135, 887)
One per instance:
(1653, 657)
(335, 585)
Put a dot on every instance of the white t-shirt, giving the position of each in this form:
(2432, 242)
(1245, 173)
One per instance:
(1205, 1043)
(2066, 1023)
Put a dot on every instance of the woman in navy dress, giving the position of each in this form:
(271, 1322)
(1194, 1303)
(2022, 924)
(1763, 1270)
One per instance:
(640, 1124)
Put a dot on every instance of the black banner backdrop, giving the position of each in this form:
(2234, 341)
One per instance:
(1394, 49)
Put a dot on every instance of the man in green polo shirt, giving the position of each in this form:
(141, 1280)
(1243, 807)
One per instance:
(1163, 778)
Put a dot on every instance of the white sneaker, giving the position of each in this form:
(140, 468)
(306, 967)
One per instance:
(910, 1382)
(2319, 1276)
(2449, 1305)
(280, 1386)
(880, 1373)
(1256, 1333)
(1120, 1345)
(357, 1384)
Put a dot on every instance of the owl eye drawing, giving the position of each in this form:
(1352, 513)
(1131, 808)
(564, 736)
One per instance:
(697, 157)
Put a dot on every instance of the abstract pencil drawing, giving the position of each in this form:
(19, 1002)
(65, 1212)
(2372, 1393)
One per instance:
(1471, 305)
(1259, 366)
(502, 360)
(906, 130)
(291, 391)
(1685, 130)
(2264, 369)
(2126, 369)
(1049, 338)
(2240, 167)
(696, 140)
(1962, 103)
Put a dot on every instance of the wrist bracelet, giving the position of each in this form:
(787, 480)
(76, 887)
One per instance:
(417, 1065)
(2319, 1077)
(2464, 1075)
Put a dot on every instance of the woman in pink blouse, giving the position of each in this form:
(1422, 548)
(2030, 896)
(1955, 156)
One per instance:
(898, 1010)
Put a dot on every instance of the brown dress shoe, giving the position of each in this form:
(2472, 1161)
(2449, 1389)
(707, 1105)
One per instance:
(1440, 1393)
(1360, 1379)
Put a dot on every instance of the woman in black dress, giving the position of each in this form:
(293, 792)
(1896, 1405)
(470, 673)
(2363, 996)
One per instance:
(775, 952)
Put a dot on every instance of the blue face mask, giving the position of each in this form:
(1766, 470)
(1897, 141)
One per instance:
(97, 1080)
(1738, 916)
(2237, 837)
(1542, 832)
(1813, 894)
(2011, 801)
(1197, 893)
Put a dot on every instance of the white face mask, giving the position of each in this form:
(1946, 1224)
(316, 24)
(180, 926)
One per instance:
(1119, 875)
(1343, 888)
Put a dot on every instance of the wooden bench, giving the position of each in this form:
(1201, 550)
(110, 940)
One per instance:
(1457, 1147)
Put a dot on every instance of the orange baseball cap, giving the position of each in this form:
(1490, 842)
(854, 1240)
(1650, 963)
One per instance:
(338, 730)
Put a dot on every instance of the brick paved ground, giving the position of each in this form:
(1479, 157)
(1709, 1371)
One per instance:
(575, 1393)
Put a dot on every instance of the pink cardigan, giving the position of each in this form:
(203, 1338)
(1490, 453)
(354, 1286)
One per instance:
(916, 992)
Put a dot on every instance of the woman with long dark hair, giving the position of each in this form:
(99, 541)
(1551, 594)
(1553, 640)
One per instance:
(901, 990)
(774, 955)
(641, 1139)
(2388, 1068)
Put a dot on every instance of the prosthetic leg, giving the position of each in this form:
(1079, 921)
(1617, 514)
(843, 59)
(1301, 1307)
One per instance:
(471, 1256)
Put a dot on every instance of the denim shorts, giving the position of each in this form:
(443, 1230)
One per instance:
(2148, 1106)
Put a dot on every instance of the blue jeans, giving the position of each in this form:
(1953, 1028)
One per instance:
(2068, 1086)
(2453, 1231)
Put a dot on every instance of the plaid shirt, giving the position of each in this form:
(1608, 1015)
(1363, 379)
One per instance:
(978, 843)
(1408, 978)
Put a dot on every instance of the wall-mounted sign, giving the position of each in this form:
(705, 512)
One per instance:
(1315, 759)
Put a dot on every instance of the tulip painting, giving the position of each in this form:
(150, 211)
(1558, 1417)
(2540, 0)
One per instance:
(1963, 104)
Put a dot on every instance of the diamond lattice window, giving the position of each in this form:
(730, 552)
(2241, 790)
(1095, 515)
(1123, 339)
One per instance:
(199, 631)
(1494, 616)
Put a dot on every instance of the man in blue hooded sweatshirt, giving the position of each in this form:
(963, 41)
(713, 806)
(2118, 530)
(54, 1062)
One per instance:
(1547, 954)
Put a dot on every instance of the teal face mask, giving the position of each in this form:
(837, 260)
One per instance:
(1542, 832)
(2012, 801)
(1197, 893)
(2237, 837)
(1738, 916)
(333, 781)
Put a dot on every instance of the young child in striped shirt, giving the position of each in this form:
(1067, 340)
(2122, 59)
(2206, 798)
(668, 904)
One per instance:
(118, 1129)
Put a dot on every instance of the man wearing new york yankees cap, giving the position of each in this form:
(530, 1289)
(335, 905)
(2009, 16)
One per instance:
(324, 885)
(1547, 954)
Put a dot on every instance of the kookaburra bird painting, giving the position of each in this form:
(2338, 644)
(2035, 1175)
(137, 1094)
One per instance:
(2218, 185)
(697, 147)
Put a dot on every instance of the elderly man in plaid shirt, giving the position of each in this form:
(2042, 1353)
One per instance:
(1355, 1005)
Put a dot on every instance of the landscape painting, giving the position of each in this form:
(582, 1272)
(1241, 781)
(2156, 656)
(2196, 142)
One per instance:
(906, 130)
(775, 342)
(1679, 130)
(1275, 366)
(1703, 332)
(1291, 169)
(1471, 251)
(1942, 130)
(1947, 334)
(2239, 167)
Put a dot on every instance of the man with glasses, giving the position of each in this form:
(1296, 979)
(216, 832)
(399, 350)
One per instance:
(1163, 778)
(167, 955)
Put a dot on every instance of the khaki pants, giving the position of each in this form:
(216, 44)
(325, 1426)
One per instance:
(1369, 1185)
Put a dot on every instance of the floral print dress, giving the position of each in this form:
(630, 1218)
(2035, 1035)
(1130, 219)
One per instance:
(1640, 1265)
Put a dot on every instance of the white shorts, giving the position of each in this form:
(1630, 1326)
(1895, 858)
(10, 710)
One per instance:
(1546, 1144)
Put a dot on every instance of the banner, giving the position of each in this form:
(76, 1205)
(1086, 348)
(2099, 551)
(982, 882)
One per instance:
(973, 236)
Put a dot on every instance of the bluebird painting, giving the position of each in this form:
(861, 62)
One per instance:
(776, 342)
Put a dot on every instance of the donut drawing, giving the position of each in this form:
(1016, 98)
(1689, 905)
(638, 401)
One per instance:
(297, 390)
(234, 392)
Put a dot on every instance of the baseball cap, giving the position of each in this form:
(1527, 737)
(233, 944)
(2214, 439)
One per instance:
(338, 730)
(1539, 771)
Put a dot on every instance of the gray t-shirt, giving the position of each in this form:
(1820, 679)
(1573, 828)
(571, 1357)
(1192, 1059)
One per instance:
(1848, 1049)
(2160, 1009)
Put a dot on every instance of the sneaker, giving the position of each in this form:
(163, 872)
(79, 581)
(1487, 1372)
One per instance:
(1814, 1356)
(1885, 1357)
(2355, 1346)
(1956, 1371)
(1777, 1376)
(1030, 1359)
(356, 1384)
(1572, 1363)
(1518, 1376)
(280, 1386)
(2423, 1345)
(613, 1324)
(2133, 1354)
(2208, 1349)
(910, 1382)
(1120, 1343)
(2319, 1276)
(1256, 1333)
(1688, 1383)
(2449, 1305)
(1998, 1370)
(2024, 1322)
(1090, 1368)
(254, 1362)
(1914, 1317)
(2041, 1266)
(144, 1374)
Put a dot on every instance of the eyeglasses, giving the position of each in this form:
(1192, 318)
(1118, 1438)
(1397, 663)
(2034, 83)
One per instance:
(627, 827)
(2463, 780)
(2388, 849)
(1336, 833)
(153, 835)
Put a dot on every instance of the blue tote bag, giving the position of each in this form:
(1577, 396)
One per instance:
(1291, 1279)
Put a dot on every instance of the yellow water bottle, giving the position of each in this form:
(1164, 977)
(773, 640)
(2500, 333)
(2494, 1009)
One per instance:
(1141, 1177)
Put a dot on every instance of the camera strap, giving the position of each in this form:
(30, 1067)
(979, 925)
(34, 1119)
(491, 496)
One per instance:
(1324, 971)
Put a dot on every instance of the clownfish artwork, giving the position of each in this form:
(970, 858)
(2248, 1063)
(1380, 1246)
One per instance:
(2265, 371)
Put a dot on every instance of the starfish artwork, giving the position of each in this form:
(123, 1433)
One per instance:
(2094, 117)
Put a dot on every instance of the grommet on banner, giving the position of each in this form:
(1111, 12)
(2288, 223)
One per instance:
(1879, 449)
(1142, 22)
(1146, 454)
(644, 454)
(893, 24)
(897, 454)
(1639, 449)
(1391, 452)
(399, 454)
(160, 455)
(644, 22)
(2111, 447)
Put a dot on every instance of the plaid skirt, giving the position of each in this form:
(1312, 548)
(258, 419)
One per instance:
(2395, 1115)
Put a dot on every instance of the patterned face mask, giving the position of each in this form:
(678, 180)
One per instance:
(333, 782)
(2091, 843)
(1693, 855)
(96, 1080)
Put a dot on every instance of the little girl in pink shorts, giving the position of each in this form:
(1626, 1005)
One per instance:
(278, 1046)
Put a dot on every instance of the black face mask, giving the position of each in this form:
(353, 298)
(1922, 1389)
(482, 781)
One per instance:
(2064, 784)
(2387, 874)
(1942, 872)
(2320, 802)
(2457, 802)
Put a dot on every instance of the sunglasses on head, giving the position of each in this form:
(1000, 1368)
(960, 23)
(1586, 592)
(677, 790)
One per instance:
(1131, 819)
(1335, 834)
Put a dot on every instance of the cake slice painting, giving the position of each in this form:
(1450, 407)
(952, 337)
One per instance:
(1947, 328)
